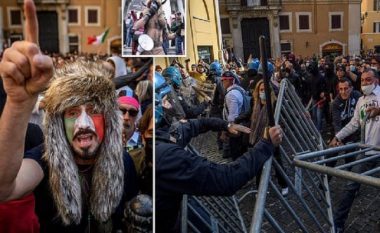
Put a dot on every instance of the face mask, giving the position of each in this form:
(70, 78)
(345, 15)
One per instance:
(262, 96)
(352, 68)
(367, 90)
(374, 67)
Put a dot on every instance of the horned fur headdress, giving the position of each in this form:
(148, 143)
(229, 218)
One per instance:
(76, 84)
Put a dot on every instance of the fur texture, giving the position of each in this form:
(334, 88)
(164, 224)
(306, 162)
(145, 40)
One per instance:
(75, 84)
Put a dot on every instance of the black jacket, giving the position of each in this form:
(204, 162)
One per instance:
(343, 111)
(179, 171)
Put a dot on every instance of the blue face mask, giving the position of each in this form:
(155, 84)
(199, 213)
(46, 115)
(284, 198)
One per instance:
(352, 68)
(262, 96)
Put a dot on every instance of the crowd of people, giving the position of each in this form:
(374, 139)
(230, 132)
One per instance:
(340, 93)
(153, 22)
(76, 134)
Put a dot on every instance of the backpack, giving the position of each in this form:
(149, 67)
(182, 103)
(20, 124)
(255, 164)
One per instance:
(246, 107)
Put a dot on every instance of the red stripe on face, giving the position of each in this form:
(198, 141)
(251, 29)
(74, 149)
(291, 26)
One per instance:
(98, 120)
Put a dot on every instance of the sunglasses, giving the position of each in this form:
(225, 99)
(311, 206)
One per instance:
(131, 112)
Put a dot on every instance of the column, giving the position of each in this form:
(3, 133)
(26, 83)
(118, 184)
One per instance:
(274, 26)
(236, 35)
(63, 29)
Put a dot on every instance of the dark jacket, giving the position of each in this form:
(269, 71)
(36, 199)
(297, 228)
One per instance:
(343, 111)
(179, 171)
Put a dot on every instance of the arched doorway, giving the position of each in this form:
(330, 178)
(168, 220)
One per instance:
(332, 50)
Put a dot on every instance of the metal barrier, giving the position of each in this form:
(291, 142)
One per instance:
(307, 208)
(364, 154)
(309, 200)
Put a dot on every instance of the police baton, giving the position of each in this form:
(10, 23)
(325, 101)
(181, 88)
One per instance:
(124, 80)
(258, 211)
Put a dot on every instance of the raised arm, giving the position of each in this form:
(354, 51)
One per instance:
(25, 73)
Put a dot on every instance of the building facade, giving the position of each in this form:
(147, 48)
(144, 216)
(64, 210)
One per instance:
(203, 34)
(370, 18)
(306, 28)
(65, 25)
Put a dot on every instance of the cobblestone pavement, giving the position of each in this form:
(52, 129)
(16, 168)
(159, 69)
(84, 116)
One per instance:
(364, 216)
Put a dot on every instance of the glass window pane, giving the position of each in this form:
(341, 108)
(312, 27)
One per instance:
(284, 22)
(73, 16)
(92, 16)
(15, 17)
(304, 22)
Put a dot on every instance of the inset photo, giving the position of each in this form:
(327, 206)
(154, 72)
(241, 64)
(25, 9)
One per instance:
(154, 28)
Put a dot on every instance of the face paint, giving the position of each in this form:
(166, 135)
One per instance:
(98, 120)
(94, 123)
(69, 126)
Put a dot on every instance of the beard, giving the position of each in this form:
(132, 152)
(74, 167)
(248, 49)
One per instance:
(87, 153)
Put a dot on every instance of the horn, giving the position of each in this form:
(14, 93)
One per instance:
(162, 3)
(124, 80)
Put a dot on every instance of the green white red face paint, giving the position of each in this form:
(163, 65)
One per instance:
(83, 127)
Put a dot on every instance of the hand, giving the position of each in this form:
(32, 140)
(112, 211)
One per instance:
(236, 128)
(207, 99)
(372, 111)
(24, 70)
(275, 135)
(335, 142)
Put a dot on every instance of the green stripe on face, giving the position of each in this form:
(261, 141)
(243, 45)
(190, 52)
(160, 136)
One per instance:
(69, 128)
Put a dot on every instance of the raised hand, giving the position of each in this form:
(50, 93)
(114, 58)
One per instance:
(24, 69)
(276, 135)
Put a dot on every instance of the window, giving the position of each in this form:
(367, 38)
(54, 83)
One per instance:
(73, 43)
(73, 15)
(14, 17)
(303, 21)
(376, 5)
(205, 53)
(92, 15)
(336, 21)
(285, 22)
(225, 23)
(286, 47)
(376, 27)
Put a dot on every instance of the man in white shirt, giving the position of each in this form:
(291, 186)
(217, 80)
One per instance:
(368, 109)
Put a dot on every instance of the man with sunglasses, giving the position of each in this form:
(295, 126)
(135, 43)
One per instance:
(132, 141)
(129, 107)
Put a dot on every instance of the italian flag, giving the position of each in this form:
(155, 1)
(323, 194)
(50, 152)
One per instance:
(97, 40)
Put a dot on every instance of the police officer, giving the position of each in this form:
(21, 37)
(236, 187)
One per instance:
(179, 171)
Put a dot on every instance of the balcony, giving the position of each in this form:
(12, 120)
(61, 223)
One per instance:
(38, 2)
(248, 5)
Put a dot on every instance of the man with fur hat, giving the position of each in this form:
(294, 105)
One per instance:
(80, 176)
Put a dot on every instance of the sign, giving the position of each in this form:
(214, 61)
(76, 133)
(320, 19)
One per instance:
(332, 47)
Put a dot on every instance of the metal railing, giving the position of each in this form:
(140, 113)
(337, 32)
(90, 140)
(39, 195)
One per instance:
(307, 208)
(354, 170)
(309, 198)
